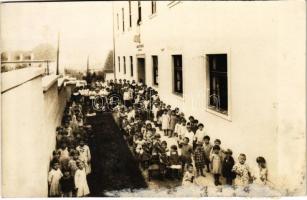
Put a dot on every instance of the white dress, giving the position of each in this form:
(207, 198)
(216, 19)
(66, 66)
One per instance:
(165, 121)
(54, 177)
(85, 156)
(81, 183)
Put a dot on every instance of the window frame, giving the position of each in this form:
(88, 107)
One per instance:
(124, 64)
(139, 21)
(131, 66)
(208, 109)
(155, 70)
(174, 72)
(153, 7)
(123, 18)
(130, 14)
(118, 63)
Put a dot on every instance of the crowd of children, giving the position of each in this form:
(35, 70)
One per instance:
(71, 161)
(146, 118)
(184, 153)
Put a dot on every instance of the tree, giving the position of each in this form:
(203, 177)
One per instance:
(108, 65)
(44, 52)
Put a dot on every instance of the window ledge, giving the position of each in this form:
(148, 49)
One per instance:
(219, 114)
(178, 96)
(152, 16)
(173, 3)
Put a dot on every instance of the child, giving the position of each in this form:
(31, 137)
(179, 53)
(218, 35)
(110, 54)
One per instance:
(207, 148)
(186, 153)
(72, 164)
(174, 162)
(163, 158)
(64, 158)
(216, 164)
(54, 177)
(55, 157)
(189, 134)
(200, 134)
(165, 122)
(227, 167)
(173, 121)
(80, 181)
(177, 128)
(67, 184)
(199, 158)
(188, 177)
(242, 172)
(85, 155)
(263, 171)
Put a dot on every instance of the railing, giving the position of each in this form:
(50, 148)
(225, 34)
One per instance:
(15, 65)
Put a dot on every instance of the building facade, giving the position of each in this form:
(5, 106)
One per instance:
(238, 67)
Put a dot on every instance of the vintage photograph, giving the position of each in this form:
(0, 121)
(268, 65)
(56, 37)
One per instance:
(153, 98)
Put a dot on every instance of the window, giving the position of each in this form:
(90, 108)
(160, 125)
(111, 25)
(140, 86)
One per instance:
(118, 64)
(117, 18)
(123, 15)
(178, 82)
(218, 85)
(130, 16)
(131, 66)
(139, 13)
(124, 61)
(153, 7)
(155, 70)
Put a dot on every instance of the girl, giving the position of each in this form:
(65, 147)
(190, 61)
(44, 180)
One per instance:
(207, 148)
(85, 155)
(155, 109)
(227, 167)
(189, 134)
(172, 123)
(199, 158)
(216, 164)
(200, 133)
(263, 171)
(188, 177)
(54, 177)
(177, 128)
(64, 158)
(165, 122)
(80, 181)
(242, 172)
(72, 164)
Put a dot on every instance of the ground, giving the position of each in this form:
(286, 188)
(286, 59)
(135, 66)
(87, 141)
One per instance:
(115, 171)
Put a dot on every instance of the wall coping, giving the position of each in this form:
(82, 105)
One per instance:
(18, 77)
(48, 81)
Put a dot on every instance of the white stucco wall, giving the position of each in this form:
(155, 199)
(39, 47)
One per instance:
(23, 140)
(31, 111)
(265, 45)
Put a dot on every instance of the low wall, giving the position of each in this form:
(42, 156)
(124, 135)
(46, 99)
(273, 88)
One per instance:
(32, 108)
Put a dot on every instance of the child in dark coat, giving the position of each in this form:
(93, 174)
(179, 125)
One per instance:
(227, 166)
(67, 184)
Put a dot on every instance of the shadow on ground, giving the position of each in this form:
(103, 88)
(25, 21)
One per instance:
(113, 165)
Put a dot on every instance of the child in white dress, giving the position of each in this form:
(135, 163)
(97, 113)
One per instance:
(216, 164)
(165, 122)
(242, 172)
(263, 171)
(188, 177)
(85, 156)
(80, 181)
(54, 177)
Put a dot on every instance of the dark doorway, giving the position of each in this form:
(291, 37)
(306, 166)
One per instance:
(141, 70)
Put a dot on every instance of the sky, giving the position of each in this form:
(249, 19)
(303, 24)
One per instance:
(85, 30)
